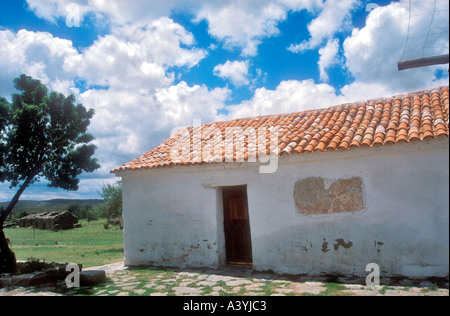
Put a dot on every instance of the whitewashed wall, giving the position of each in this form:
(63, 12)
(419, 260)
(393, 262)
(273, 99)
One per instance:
(173, 217)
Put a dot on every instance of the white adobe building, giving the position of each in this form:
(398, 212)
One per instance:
(345, 186)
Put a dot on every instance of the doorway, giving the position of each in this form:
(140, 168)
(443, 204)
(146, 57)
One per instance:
(238, 242)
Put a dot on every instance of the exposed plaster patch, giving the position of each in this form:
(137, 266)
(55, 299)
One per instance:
(377, 245)
(341, 243)
(320, 196)
(325, 246)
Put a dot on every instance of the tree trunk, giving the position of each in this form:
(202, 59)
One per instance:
(8, 262)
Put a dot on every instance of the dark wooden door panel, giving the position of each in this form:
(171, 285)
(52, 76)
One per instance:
(237, 226)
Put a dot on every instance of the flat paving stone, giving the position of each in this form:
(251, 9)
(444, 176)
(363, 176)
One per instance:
(159, 294)
(217, 278)
(238, 282)
(206, 283)
(187, 291)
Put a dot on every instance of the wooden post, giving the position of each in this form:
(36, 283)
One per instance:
(423, 62)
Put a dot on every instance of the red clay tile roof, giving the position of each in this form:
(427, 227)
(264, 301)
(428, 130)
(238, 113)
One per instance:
(404, 118)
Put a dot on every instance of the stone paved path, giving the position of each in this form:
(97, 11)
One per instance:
(238, 282)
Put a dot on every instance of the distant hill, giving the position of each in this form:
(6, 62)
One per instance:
(57, 205)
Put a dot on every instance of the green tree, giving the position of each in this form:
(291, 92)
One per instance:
(83, 212)
(43, 136)
(112, 195)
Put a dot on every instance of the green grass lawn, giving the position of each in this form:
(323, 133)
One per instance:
(91, 245)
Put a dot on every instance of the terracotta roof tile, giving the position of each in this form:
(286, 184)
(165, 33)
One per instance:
(405, 118)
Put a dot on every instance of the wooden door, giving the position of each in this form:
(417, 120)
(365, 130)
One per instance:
(238, 243)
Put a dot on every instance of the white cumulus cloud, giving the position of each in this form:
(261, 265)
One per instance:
(234, 71)
(38, 54)
(372, 52)
(289, 96)
(239, 24)
(137, 57)
(328, 57)
(332, 18)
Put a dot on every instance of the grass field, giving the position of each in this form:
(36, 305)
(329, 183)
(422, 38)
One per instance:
(91, 245)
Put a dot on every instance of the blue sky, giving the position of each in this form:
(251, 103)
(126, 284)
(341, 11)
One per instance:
(147, 67)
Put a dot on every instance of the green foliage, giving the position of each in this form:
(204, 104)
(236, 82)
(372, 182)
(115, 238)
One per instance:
(33, 265)
(45, 136)
(23, 214)
(112, 194)
(5, 118)
(87, 212)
